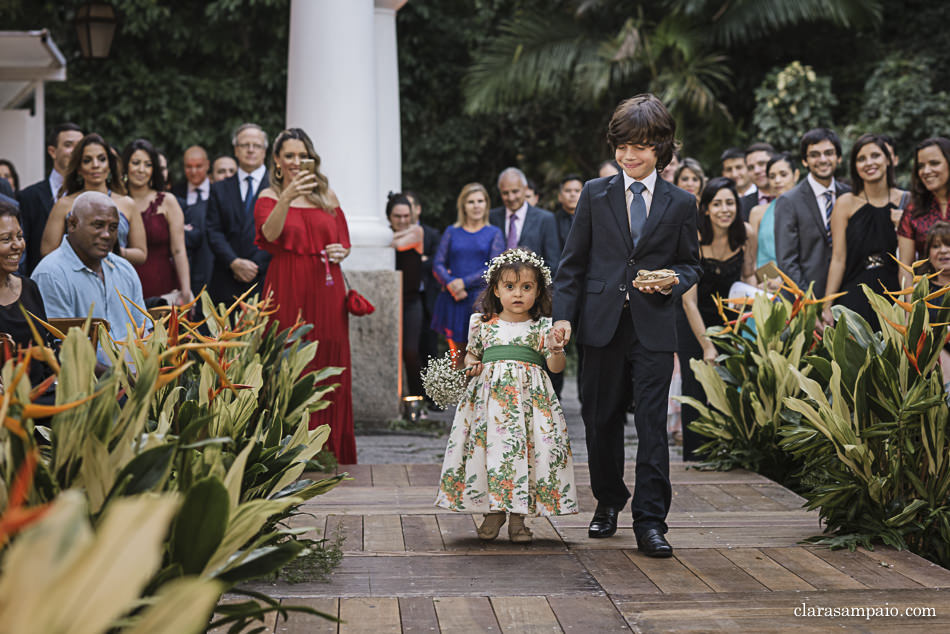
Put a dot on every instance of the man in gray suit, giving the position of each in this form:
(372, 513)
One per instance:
(525, 225)
(803, 214)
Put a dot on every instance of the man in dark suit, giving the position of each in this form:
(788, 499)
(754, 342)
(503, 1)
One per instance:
(238, 263)
(733, 165)
(524, 225)
(37, 199)
(197, 185)
(623, 224)
(803, 214)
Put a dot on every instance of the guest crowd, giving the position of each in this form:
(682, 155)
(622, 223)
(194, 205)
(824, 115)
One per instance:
(107, 219)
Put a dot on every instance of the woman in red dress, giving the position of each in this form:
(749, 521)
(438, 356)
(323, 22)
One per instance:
(165, 269)
(300, 223)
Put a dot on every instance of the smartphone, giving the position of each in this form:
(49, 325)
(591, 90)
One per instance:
(308, 165)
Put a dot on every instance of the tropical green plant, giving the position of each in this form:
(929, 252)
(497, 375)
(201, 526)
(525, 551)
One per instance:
(188, 413)
(675, 51)
(752, 376)
(61, 574)
(872, 427)
(789, 102)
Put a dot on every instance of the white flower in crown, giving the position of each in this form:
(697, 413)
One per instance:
(513, 256)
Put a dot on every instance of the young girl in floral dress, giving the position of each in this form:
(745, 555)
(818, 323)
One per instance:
(508, 453)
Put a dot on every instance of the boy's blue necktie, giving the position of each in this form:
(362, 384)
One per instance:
(638, 211)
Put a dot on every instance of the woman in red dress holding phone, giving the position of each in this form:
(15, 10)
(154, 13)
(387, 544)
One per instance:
(300, 223)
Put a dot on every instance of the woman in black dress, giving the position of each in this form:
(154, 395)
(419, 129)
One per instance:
(16, 290)
(727, 252)
(407, 240)
(862, 231)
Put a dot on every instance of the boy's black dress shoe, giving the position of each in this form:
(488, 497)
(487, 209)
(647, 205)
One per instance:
(652, 544)
(604, 522)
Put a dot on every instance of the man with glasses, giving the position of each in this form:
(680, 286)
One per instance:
(238, 263)
(803, 214)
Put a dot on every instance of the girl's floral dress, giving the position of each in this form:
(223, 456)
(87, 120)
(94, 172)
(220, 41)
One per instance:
(508, 449)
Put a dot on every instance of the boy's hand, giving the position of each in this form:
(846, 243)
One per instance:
(555, 341)
(563, 330)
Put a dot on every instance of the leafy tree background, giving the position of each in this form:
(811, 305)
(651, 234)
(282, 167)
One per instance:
(185, 72)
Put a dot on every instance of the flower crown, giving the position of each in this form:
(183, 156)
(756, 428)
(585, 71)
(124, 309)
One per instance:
(513, 256)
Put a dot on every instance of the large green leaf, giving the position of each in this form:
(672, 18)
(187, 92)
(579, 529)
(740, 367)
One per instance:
(200, 525)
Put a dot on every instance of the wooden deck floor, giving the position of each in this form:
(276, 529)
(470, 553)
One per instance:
(738, 566)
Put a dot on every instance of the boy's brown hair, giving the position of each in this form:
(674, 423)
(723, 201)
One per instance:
(644, 120)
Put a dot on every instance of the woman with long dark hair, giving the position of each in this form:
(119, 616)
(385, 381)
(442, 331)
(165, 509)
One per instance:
(930, 200)
(300, 223)
(727, 252)
(407, 241)
(165, 270)
(862, 231)
(93, 166)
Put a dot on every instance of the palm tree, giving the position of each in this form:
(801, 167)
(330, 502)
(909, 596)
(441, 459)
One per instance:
(678, 56)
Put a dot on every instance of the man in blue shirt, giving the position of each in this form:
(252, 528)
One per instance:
(84, 272)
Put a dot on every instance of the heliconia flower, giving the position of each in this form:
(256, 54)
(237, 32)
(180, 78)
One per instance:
(897, 327)
(16, 517)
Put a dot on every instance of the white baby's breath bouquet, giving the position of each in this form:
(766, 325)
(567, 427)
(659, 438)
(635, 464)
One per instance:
(443, 381)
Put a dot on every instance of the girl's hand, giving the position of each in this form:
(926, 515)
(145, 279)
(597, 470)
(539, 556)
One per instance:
(554, 341)
(709, 351)
(473, 369)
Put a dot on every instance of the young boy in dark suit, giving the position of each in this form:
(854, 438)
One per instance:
(623, 224)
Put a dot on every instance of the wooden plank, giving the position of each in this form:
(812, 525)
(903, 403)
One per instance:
(857, 566)
(718, 497)
(775, 611)
(813, 569)
(458, 531)
(685, 500)
(370, 615)
(615, 573)
(270, 620)
(545, 534)
(752, 498)
(669, 575)
(424, 475)
(361, 474)
(421, 533)
(711, 537)
(718, 572)
(351, 527)
(531, 615)
(780, 494)
(418, 615)
(910, 565)
(463, 615)
(305, 518)
(308, 624)
(390, 475)
(765, 570)
(588, 614)
(382, 534)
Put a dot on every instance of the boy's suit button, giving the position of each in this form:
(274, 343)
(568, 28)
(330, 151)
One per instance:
(622, 288)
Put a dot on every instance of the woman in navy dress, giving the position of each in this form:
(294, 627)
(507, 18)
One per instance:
(462, 258)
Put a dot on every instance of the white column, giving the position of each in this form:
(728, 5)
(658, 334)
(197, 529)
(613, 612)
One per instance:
(389, 148)
(331, 94)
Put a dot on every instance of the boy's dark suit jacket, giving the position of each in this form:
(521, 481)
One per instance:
(231, 234)
(538, 234)
(599, 263)
(36, 201)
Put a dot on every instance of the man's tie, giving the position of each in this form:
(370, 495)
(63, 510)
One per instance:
(513, 232)
(829, 205)
(199, 196)
(249, 196)
(638, 211)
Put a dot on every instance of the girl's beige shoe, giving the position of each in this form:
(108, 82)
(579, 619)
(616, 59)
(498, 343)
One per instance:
(491, 525)
(517, 531)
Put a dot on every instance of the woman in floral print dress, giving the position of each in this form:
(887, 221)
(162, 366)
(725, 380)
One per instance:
(508, 451)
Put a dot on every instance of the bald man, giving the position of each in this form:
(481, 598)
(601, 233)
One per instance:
(83, 271)
(197, 185)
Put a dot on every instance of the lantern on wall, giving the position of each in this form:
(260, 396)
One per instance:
(95, 27)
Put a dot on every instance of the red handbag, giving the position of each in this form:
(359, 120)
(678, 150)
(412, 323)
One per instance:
(356, 304)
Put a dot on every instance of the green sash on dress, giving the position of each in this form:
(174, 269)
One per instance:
(513, 353)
